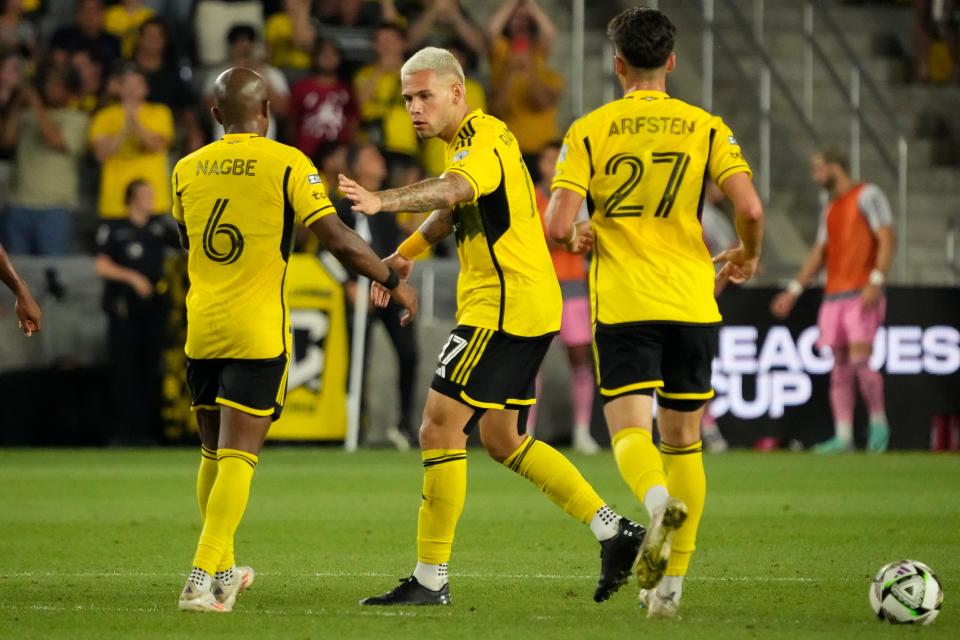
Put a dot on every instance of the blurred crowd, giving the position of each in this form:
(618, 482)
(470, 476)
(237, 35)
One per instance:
(99, 98)
(95, 95)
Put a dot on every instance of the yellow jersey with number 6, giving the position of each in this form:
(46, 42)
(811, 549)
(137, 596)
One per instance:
(642, 163)
(239, 198)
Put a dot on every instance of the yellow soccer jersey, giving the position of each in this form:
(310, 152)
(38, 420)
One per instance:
(507, 281)
(642, 163)
(239, 198)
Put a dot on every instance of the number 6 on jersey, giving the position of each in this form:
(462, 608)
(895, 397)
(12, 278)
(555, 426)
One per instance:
(214, 229)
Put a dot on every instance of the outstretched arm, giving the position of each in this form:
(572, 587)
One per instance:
(355, 254)
(548, 31)
(444, 192)
(27, 310)
(499, 19)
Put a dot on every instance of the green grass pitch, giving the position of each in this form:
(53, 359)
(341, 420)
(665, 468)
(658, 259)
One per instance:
(98, 543)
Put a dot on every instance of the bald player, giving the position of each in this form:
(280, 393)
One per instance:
(237, 201)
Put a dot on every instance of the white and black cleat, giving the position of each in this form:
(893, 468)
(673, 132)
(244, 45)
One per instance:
(410, 593)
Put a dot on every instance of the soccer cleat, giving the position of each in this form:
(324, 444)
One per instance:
(878, 438)
(410, 593)
(193, 598)
(226, 591)
(833, 445)
(617, 556)
(584, 443)
(657, 606)
(655, 551)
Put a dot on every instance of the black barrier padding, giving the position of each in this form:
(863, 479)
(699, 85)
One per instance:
(912, 398)
(55, 407)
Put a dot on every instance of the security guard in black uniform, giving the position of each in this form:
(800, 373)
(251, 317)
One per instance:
(130, 258)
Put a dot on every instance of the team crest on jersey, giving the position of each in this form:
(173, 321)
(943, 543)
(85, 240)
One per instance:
(460, 155)
(313, 178)
(732, 140)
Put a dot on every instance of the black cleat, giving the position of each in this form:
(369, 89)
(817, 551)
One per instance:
(411, 593)
(617, 556)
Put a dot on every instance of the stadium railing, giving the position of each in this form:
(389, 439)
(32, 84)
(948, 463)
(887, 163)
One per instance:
(856, 88)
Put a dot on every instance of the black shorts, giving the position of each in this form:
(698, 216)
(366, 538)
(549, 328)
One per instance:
(487, 369)
(673, 359)
(257, 387)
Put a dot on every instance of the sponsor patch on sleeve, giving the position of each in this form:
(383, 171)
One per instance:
(460, 155)
(732, 140)
(563, 153)
(313, 178)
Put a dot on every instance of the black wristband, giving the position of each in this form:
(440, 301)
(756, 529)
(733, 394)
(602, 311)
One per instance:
(392, 281)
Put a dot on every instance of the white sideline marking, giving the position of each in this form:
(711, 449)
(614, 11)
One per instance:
(52, 608)
(373, 574)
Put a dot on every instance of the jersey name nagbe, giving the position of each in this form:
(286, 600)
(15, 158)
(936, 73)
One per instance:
(239, 199)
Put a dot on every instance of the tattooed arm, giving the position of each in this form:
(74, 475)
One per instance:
(438, 226)
(444, 192)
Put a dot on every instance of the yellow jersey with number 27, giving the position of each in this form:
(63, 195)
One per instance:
(642, 162)
(239, 198)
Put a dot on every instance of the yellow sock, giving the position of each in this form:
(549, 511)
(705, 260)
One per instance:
(687, 481)
(228, 501)
(444, 492)
(639, 461)
(205, 478)
(556, 477)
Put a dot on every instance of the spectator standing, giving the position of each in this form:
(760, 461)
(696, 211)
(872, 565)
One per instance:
(933, 18)
(86, 32)
(369, 166)
(11, 85)
(855, 243)
(50, 137)
(156, 60)
(242, 52)
(576, 331)
(358, 14)
(289, 35)
(524, 91)
(130, 259)
(442, 21)
(123, 20)
(383, 114)
(89, 69)
(322, 106)
(131, 139)
(331, 160)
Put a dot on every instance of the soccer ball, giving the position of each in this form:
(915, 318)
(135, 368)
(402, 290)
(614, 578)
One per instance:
(906, 592)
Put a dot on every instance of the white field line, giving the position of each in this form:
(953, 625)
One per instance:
(374, 613)
(372, 574)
